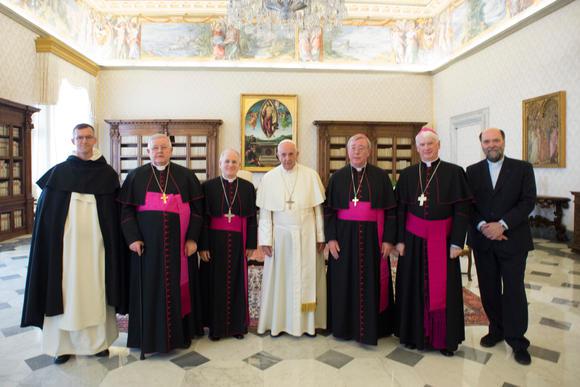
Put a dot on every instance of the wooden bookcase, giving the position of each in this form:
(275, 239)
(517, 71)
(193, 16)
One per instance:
(194, 144)
(393, 145)
(16, 201)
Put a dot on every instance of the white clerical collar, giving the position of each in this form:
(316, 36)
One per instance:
(228, 179)
(292, 170)
(429, 163)
(96, 154)
(358, 169)
(497, 163)
(161, 167)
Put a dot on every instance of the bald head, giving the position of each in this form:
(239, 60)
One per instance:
(493, 143)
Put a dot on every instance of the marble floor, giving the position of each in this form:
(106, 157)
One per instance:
(553, 288)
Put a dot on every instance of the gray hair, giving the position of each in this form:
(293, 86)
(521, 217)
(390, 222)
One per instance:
(357, 137)
(226, 151)
(426, 134)
(158, 136)
(286, 142)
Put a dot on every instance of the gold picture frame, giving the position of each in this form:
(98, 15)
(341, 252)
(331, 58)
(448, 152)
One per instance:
(544, 130)
(266, 120)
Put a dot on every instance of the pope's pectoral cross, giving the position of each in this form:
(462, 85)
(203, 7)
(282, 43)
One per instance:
(355, 200)
(290, 202)
(164, 198)
(422, 199)
(229, 215)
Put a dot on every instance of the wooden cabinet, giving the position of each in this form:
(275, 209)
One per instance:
(575, 244)
(194, 144)
(16, 201)
(393, 145)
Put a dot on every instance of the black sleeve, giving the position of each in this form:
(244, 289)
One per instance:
(476, 216)
(129, 224)
(461, 218)
(330, 220)
(252, 225)
(195, 219)
(527, 200)
(401, 197)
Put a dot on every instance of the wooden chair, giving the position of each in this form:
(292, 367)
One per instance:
(466, 252)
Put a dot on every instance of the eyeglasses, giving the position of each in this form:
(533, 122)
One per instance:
(158, 148)
(81, 138)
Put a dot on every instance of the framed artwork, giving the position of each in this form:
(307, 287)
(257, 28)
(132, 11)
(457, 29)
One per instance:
(544, 130)
(265, 121)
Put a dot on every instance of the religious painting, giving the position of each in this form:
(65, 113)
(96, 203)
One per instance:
(266, 120)
(544, 130)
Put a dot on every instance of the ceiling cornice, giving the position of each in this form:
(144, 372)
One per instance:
(58, 48)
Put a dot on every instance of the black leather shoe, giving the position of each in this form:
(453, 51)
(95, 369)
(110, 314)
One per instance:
(103, 353)
(522, 356)
(61, 359)
(214, 338)
(489, 341)
(410, 346)
(239, 337)
(446, 352)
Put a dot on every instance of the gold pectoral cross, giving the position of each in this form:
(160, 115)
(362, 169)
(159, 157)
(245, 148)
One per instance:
(422, 199)
(355, 200)
(164, 198)
(229, 215)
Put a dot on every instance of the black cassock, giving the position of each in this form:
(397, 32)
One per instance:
(224, 279)
(353, 280)
(165, 327)
(43, 295)
(448, 196)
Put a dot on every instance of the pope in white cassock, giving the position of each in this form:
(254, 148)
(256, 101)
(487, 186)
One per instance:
(291, 235)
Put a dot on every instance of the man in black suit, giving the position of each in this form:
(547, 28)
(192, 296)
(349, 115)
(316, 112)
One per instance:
(505, 193)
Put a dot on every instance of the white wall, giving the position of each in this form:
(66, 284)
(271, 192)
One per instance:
(542, 58)
(17, 62)
(215, 94)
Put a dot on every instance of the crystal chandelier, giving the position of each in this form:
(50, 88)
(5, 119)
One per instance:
(306, 14)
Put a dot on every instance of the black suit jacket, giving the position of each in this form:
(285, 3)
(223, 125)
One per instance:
(512, 200)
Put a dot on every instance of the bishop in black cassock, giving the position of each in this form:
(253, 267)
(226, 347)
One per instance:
(433, 216)
(161, 219)
(229, 234)
(360, 217)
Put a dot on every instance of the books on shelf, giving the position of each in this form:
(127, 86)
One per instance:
(129, 139)
(388, 165)
(3, 130)
(337, 164)
(198, 164)
(338, 140)
(183, 163)
(197, 151)
(15, 170)
(198, 139)
(16, 187)
(18, 221)
(385, 152)
(385, 141)
(403, 152)
(4, 147)
(15, 148)
(404, 141)
(3, 169)
(129, 164)
(179, 151)
(5, 221)
(129, 151)
(4, 188)
(338, 152)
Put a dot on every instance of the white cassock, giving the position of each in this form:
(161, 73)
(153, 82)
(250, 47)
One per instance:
(294, 280)
(88, 324)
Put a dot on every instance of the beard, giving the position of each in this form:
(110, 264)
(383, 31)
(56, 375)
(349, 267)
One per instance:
(494, 156)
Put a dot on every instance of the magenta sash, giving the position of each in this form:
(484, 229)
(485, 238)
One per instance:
(436, 233)
(364, 213)
(153, 202)
(237, 224)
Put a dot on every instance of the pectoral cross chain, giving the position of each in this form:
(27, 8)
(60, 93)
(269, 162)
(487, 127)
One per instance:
(229, 215)
(422, 199)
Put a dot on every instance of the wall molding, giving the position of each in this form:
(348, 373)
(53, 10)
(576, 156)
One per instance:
(58, 48)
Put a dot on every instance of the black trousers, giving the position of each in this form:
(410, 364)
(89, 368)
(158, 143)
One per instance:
(503, 295)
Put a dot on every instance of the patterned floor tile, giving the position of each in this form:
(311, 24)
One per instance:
(4, 305)
(563, 301)
(10, 277)
(506, 384)
(15, 330)
(569, 285)
(543, 353)
(190, 360)
(541, 273)
(401, 355)
(473, 354)
(115, 362)
(262, 360)
(532, 286)
(40, 361)
(20, 257)
(555, 323)
(334, 359)
(574, 272)
(549, 263)
(20, 291)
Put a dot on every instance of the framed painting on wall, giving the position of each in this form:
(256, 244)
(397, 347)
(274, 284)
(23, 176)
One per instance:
(266, 120)
(544, 130)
